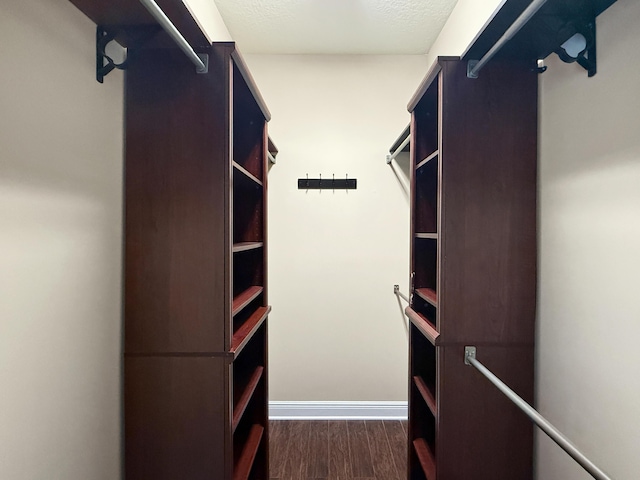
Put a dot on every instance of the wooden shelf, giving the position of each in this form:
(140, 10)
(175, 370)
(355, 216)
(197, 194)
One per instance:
(247, 329)
(428, 294)
(426, 393)
(245, 398)
(423, 325)
(428, 236)
(425, 457)
(244, 246)
(245, 298)
(242, 469)
(246, 173)
(427, 160)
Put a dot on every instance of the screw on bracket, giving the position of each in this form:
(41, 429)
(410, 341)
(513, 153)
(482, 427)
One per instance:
(469, 352)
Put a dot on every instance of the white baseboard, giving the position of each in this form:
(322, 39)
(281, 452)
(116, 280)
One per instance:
(338, 410)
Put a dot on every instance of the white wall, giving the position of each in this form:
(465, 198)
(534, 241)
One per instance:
(60, 253)
(336, 331)
(466, 21)
(588, 380)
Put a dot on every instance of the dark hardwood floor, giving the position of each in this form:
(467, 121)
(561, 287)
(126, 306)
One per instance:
(338, 450)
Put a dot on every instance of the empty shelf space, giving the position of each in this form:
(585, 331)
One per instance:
(242, 469)
(248, 328)
(426, 160)
(244, 246)
(428, 294)
(429, 236)
(425, 457)
(422, 324)
(238, 410)
(426, 393)
(245, 298)
(246, 172)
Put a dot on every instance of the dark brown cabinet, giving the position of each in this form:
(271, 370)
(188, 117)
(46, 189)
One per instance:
(473, 270)
(195, 369)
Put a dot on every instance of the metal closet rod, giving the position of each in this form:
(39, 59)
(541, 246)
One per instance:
(404, 143)
(475, 66)
(397, 292)
(200, 61)
(535, 417)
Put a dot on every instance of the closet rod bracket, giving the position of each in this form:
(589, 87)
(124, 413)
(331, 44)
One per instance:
(104, 63)
(205, 60)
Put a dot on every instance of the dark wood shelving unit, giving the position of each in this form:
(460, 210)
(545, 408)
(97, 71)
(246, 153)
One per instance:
(473, 269)
(196, 303)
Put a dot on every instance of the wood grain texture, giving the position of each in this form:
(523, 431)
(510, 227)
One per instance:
(381, 455)
(318, 466)
(339, 459)
(177, 228)
(477, 423)
(164, 439)
(397, 438)
(489, 187)
(359, 452)
(279, 438)
(298, 452)
(327, 447)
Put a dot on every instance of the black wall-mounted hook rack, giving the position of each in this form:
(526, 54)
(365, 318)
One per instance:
(327, 183)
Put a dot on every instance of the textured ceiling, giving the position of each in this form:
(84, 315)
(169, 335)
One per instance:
(335, 26)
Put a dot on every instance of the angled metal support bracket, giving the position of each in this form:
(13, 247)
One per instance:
(104, 63)
(588, 60)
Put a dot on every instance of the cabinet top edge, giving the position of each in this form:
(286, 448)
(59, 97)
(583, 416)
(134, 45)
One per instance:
(431, 75)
